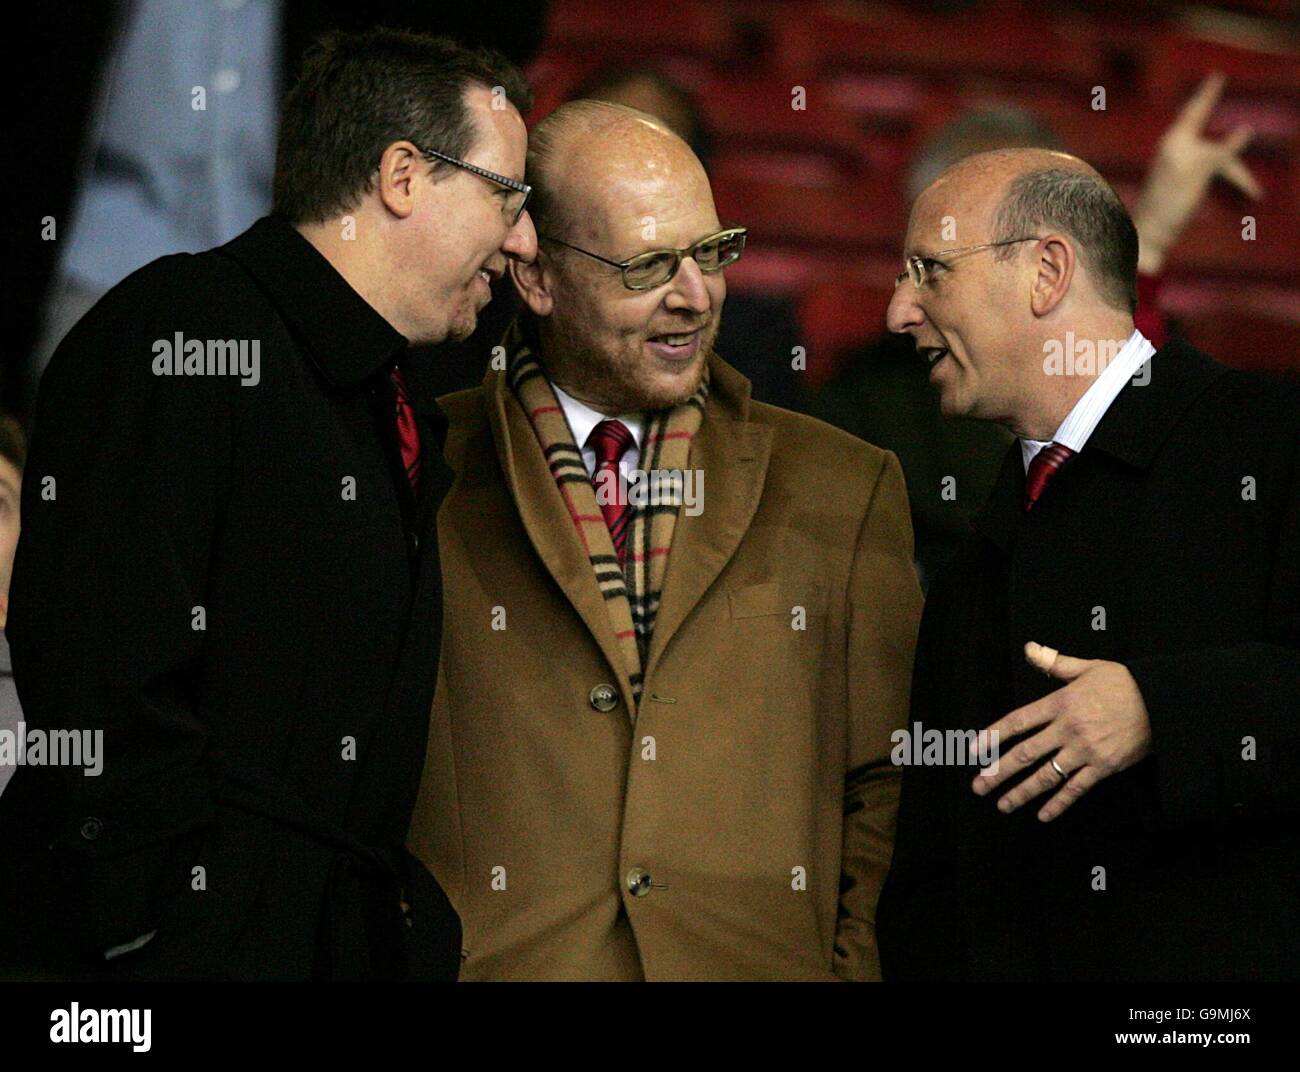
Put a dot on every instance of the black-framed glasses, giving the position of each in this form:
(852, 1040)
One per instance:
(917, 271)
(656, 267)
(514, 203)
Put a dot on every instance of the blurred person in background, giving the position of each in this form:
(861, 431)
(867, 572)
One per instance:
(159, 134)
(880, 393)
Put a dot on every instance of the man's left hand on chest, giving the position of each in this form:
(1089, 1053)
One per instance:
(1092, 728)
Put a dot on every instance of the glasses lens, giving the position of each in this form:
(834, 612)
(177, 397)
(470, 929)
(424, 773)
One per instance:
(650, 270)
(916, 270)
(715, 253)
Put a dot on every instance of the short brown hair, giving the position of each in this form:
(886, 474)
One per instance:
(359, 93)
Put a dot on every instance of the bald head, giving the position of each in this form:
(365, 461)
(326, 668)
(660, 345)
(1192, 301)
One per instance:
(1009, 194)
(591, 160)
(1018, 253)
(611, 184)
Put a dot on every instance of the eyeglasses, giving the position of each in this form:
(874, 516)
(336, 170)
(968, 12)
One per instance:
(512, 205)
(656, 267)
(917, 271)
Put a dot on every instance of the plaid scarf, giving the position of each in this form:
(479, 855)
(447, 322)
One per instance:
(632, 592)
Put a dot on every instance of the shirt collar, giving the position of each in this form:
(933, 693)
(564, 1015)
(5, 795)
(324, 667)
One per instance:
(1088, 411)
(345, 337)
(582, 419)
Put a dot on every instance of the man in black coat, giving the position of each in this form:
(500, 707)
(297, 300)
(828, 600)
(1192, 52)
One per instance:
(228, 569)
(1124, 621)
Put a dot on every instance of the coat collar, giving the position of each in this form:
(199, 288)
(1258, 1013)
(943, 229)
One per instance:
(1143, 415)
(345, 337)
(1132, 431)
(732, 451)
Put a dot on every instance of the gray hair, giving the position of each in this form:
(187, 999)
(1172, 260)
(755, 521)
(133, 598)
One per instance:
(1089, 211)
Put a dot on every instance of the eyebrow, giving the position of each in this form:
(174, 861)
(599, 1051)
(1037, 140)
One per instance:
(6, 486)
(661, 248)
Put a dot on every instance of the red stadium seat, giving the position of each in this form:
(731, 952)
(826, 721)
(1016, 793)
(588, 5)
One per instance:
(659, 27)
(863, 213)
(886, 37)
(836, 318)
(1177, 62)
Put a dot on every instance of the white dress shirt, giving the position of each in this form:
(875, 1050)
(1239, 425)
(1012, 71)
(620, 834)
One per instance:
(582, 419)
(1087, 413)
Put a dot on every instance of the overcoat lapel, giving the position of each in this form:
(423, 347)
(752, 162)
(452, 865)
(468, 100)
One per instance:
(545, 518)
(733, 454)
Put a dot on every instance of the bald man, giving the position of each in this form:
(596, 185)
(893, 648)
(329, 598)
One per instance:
(1124, 622)
(685, 620)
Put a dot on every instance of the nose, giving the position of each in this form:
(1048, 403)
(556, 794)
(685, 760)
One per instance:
(688, 290)
(521, 240)
(904, 310)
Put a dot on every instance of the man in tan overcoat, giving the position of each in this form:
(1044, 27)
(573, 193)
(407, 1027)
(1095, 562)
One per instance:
(680, 623)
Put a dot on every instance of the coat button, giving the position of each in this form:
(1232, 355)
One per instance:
(638, 882)
(604, 698)
(91, 828)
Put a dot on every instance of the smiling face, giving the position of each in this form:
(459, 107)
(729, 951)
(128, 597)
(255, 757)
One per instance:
(970, 319)
(616, 349)
(461, 239)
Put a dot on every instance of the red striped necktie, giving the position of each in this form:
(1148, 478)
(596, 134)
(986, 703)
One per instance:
(1041, 469)
(408, 435)
(611, 440)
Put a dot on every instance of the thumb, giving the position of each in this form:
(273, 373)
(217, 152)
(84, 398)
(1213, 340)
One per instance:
(1052, 663)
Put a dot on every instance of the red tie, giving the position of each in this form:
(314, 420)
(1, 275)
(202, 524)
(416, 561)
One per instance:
(1043, 467)
(611, 440)
(408, 435)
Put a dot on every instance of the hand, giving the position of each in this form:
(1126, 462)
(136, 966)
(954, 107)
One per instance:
(1096, 725)
(1185, 164)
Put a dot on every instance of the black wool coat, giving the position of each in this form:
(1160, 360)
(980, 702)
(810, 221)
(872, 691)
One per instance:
(1169, 543)
(234, 583)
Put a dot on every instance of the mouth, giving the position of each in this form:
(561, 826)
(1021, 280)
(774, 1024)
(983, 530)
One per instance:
(932, 355)
(679, 346)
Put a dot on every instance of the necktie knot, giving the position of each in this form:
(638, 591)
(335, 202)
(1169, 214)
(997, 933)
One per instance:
(1042, 468)
(610, 440)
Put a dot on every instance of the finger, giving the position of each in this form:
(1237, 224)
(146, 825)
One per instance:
(1041, 781)
(1040, 656)
(1052, 663)
(1237, 140)
(1235, 172)
(1071, 790)
(1197, 110)
(1024, 755)
(1018, 722)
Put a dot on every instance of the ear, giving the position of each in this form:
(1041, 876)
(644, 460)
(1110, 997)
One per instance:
(533, 284)
(1054, 264)
(399, 168)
